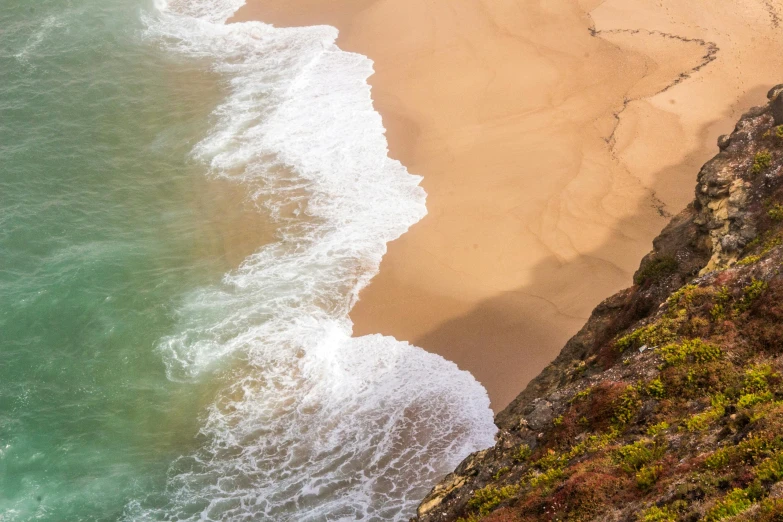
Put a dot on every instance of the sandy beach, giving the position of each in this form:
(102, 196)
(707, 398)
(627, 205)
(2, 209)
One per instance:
(555, 139)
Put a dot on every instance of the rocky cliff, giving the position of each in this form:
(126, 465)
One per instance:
(668, 404)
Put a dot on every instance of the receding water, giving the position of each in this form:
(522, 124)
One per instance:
(187, 213)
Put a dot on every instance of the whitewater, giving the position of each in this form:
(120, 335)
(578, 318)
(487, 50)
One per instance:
(309, 423)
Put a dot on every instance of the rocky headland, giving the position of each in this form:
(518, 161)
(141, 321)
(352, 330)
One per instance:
(668, 404)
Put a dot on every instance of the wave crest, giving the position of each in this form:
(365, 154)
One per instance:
(311, 423)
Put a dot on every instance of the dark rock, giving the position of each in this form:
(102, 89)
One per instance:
(753, 112)
(541, 416)
(773, 92)
(776, 103)
(706, 240)
(730, 243)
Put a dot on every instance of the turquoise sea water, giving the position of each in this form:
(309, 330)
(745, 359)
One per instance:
(176, 270)
(104, 223)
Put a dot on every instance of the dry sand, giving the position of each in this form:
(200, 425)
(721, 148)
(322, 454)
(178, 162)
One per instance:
(555, 138)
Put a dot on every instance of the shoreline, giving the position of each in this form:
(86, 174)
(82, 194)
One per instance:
(550, 153)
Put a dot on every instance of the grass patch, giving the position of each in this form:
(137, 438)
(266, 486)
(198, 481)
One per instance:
(771, 470)
(502, 471)
(702, 421)
(626, 407)
(651, 335)
(656, 389)
(689, 352)
(656, 514)
(522, 453)
(648, 476)
(750, 293)
(488, 498)
(732, 504)
(634, 457)
(581, 395)
(658, 429)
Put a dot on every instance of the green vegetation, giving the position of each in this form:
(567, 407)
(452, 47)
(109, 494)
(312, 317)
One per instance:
(769, 244)
(689, 351)
(751, 399)
(502, 471)
(761, 161)
(581, 395)
(776, 212)
(522, 453)
(718, 311)
(751, 450)
(656, 389)
(657, 429)
(651, 335)
(547, 477)
(656, 514)
(634, 457)
(732, 504)
(682, 298)
(771, 470)
(693, 431)
(626, 407)
(719, 459)
(665, 330)
(757, 378)
(749, 260)
(648, 476)
(656, 269)
(702, 421)
(750, 293)
(486, 499)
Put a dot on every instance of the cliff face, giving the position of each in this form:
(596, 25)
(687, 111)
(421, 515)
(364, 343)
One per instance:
(668, 404)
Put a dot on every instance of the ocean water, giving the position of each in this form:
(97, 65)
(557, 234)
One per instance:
(188, 211)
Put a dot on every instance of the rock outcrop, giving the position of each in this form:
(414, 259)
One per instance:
(668, 404)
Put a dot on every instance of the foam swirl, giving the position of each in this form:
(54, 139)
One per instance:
(310, 423)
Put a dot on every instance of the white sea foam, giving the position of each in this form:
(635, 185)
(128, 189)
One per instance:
(313, 424)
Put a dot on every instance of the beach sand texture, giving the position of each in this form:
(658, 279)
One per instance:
(555, 138)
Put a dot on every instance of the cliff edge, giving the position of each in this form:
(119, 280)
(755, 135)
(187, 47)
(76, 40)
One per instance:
(668, 404)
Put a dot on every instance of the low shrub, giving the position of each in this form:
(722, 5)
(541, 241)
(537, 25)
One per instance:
(656, 389)
(502, 471)
(656, 514)
(655, 334)
(633, 457)
(522, 453)
(776, 212)
(751, 399)
(655, 270)
(771, 469)
(732, 504)
(761, 161)
(648, 476)
(488, 498)
(657, 429)
(689, 351)
(626, 407)
(702, 421)
(750, 293)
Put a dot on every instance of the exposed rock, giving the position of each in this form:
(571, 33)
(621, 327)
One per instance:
(776, 103)
(626, 419)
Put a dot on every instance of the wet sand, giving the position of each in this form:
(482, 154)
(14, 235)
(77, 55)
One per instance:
(555, 139)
